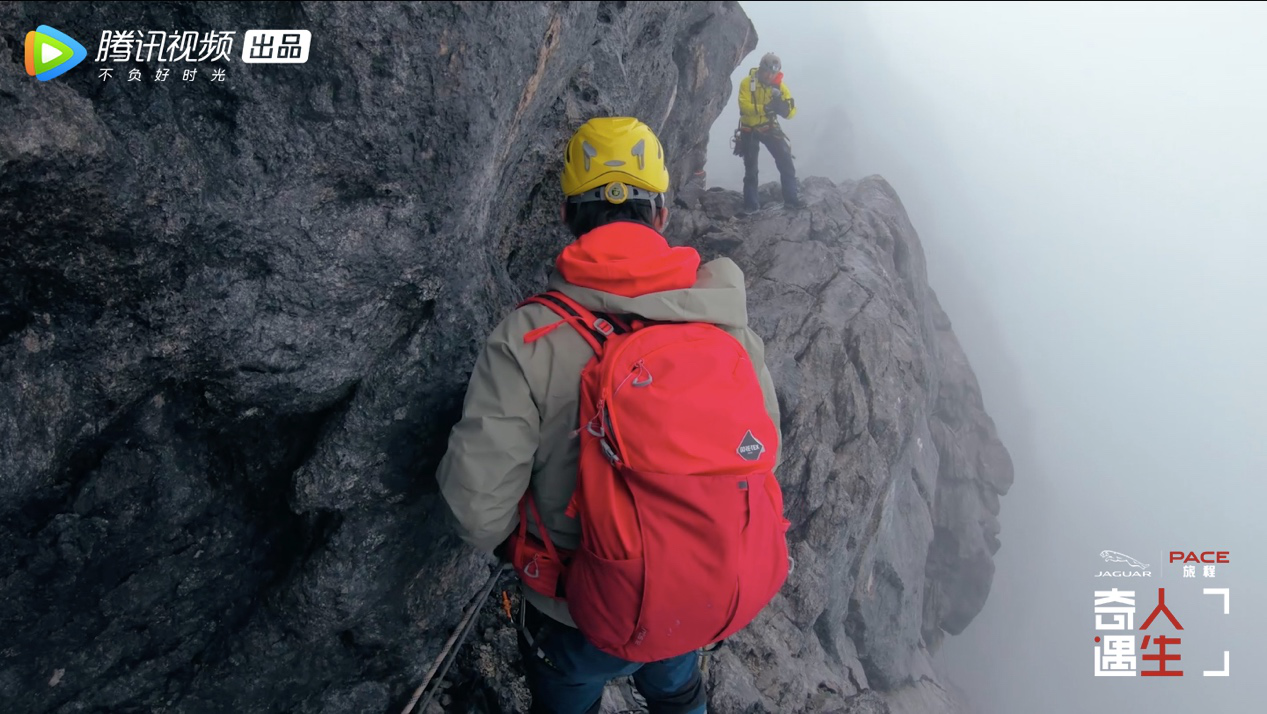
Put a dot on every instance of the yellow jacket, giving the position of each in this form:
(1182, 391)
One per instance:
(753, 98)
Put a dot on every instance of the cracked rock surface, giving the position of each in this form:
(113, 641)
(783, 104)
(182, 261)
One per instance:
(237, 320)
(892, 471)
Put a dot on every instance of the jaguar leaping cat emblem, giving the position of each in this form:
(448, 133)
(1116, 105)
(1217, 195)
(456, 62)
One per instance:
(1112, 556)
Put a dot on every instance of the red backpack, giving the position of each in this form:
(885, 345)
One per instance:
(683, 539)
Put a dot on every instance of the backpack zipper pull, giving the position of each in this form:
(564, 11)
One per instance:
(595, 426)
(642, 375)
(609, 452)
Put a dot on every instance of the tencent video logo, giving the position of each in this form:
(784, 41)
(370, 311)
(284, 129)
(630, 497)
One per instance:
(50, 53)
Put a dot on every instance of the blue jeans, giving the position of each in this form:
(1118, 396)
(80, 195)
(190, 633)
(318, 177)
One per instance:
(566, 674)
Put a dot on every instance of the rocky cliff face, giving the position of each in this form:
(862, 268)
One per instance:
(893, 471)
(237, 318)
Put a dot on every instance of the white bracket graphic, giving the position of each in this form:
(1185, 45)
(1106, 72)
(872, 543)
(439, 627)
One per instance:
(1227, 597)
(1227, 608)
(1227, 667)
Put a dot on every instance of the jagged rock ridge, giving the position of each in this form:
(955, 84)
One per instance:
(236, 321)
(892, 470)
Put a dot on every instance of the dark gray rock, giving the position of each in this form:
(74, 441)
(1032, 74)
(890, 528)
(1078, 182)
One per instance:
(237, 319)
(892, 469)
(236, 322)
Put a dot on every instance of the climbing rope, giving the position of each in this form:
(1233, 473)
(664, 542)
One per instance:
(465, 625)
(706, 654)
(440, 666)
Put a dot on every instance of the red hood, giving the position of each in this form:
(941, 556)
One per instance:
(627, 259)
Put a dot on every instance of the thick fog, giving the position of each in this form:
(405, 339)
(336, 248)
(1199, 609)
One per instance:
(1089, 182)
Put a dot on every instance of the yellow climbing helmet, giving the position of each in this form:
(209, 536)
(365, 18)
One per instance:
(614, 159)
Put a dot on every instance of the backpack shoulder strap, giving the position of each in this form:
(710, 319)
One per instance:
(593, 328)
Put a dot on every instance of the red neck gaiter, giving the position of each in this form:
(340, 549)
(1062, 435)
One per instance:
(627, 259)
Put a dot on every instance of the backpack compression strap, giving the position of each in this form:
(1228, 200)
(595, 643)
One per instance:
(593, 328)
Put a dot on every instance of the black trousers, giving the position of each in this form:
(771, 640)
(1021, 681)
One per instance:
(781, 149)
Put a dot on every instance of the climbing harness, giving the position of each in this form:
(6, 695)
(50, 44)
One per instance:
(465, 625)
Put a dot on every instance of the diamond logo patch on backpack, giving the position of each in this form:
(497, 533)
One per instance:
(750, 449)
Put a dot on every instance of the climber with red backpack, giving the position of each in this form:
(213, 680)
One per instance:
(618, 445)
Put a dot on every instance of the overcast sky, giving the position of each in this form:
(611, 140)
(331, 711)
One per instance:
(1089, 182)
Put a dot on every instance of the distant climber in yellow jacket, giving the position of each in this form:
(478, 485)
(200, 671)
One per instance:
(763, 98)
